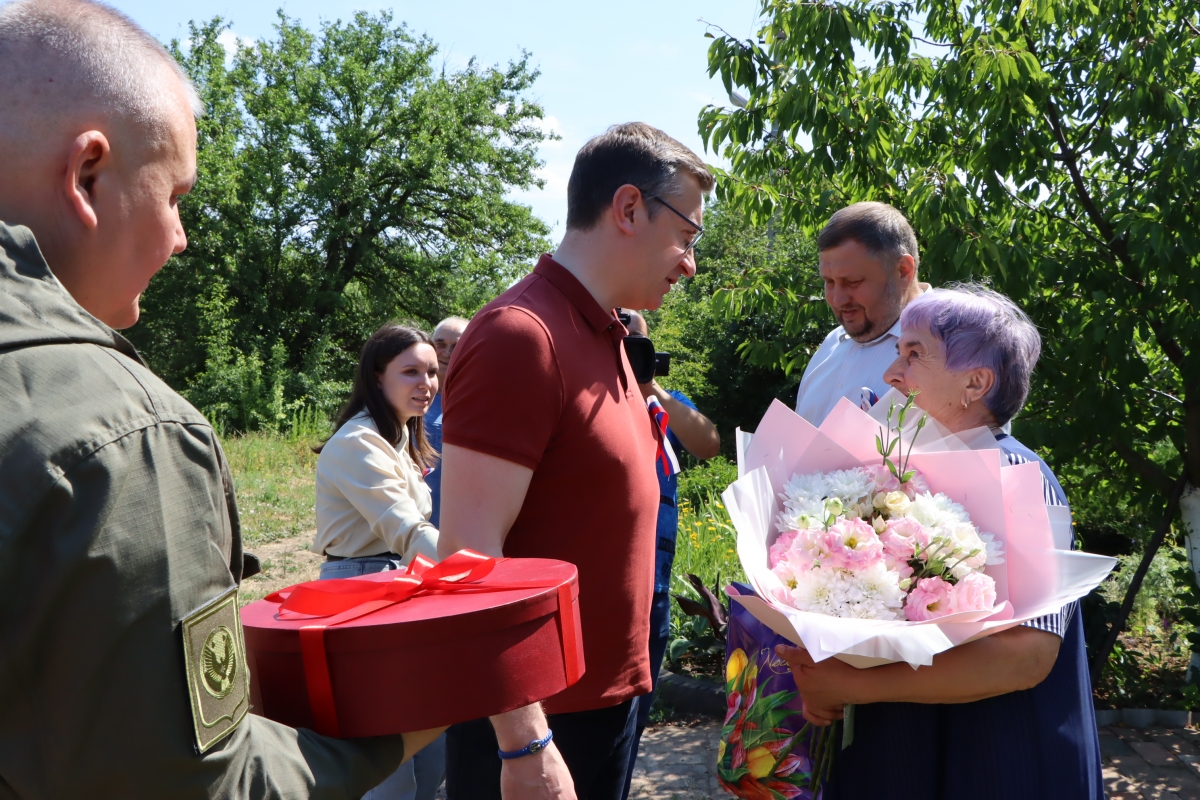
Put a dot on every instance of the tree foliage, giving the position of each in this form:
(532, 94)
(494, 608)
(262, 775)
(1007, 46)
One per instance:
(1049, 146)
(726, 340)
(345, 178)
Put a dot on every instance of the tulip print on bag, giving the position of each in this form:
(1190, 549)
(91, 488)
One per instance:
(764, 749)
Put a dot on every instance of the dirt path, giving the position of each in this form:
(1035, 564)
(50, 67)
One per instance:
(285, 562)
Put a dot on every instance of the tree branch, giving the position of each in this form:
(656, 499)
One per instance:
(1116, 244)
(1100, 657)
(1150, 472)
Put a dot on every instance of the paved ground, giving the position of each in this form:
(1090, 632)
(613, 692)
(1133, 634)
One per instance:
(677, 763)
(1151, 763)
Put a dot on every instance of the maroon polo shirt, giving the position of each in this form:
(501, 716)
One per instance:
(540, 378)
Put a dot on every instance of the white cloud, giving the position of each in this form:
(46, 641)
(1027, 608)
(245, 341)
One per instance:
(550, 125)
(230, 41)
(556, 177)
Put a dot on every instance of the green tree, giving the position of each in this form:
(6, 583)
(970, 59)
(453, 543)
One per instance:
(345, 177)
(1047, 145)
(727, 338)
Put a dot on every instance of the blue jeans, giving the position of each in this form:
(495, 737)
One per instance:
(354, 567)
(419, 777)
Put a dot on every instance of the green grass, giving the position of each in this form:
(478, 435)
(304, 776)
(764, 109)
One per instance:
(275, 478)
(706, 546)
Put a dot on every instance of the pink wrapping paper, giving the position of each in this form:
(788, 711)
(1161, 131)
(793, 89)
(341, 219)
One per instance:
(1036, 577)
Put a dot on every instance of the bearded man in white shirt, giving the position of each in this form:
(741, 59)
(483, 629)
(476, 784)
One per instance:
(868, 261)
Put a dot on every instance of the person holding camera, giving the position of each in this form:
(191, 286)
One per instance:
(684, 426)
(548, 452)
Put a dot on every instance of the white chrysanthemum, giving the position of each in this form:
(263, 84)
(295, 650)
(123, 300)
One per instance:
(882, 597)
(850, 485)
(805, 488)
(995, 550)
(801, 515)
(821, 591)
(936, 511)
(950, 508)
(968, 545)
(809, 500)
(873, 593)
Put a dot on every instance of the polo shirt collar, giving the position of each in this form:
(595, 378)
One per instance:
(576, 293)
(893, 332)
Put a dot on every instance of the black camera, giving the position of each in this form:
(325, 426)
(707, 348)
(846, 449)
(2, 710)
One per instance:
(645, 361)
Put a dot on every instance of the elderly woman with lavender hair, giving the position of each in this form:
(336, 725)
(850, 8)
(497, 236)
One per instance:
(1009, 715)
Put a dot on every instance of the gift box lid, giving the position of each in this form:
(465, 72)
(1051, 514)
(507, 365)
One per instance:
(421, 619)
(503, 632)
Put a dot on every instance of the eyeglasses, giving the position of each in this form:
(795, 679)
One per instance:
(699, 230)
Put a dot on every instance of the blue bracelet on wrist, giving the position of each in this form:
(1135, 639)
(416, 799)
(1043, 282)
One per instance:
(536, 746)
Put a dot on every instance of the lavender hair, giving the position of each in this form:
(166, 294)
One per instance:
(981, 328)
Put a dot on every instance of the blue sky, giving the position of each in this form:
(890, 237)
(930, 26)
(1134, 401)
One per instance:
(601, 63)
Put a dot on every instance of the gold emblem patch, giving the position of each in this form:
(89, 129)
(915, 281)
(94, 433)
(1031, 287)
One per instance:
(219, 658)
(218, 682)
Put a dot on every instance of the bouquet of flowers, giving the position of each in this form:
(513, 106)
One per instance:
(882, 537)
(873, 542)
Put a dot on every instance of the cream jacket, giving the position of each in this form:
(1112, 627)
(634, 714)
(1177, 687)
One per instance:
(371, 497)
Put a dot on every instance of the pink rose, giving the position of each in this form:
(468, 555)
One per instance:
(884, 480)
(975, 592)
(916, 485)
(851, 544)
(900, 540)
(805, 547)
(780, 548)
(931, 598)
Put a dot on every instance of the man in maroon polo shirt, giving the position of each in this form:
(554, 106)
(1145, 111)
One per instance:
(549, 452)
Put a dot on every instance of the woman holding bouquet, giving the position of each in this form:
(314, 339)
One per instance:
(1008, 715)
(373, 505)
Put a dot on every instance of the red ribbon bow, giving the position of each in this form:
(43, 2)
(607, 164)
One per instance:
(338, 601)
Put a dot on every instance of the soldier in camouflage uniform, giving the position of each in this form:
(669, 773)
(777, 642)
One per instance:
(122, 663)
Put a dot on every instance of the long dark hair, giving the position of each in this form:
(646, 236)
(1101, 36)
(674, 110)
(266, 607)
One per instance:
(384, 345)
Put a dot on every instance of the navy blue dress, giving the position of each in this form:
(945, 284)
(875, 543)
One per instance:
(1037, 743)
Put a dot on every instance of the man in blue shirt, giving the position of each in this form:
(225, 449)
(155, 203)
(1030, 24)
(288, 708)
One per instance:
(689, 430)
(445, 338)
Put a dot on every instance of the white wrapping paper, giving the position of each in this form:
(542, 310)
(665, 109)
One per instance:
(1040, 574)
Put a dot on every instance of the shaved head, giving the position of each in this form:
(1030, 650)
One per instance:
(97, 145)
(457, 324)
(445, 339)
(76, 58)
(637, 323)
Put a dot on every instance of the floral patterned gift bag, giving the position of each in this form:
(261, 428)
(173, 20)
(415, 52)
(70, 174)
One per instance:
(765, 743)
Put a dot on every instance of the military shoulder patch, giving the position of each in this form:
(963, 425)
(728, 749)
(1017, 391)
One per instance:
(218, 681)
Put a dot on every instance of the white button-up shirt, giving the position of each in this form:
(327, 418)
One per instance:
(842, 367)
(371, 498)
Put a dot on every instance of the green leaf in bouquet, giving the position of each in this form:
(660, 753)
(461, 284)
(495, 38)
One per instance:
(892, 469)
(908, 476)
(892, 447)
(879, 444)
